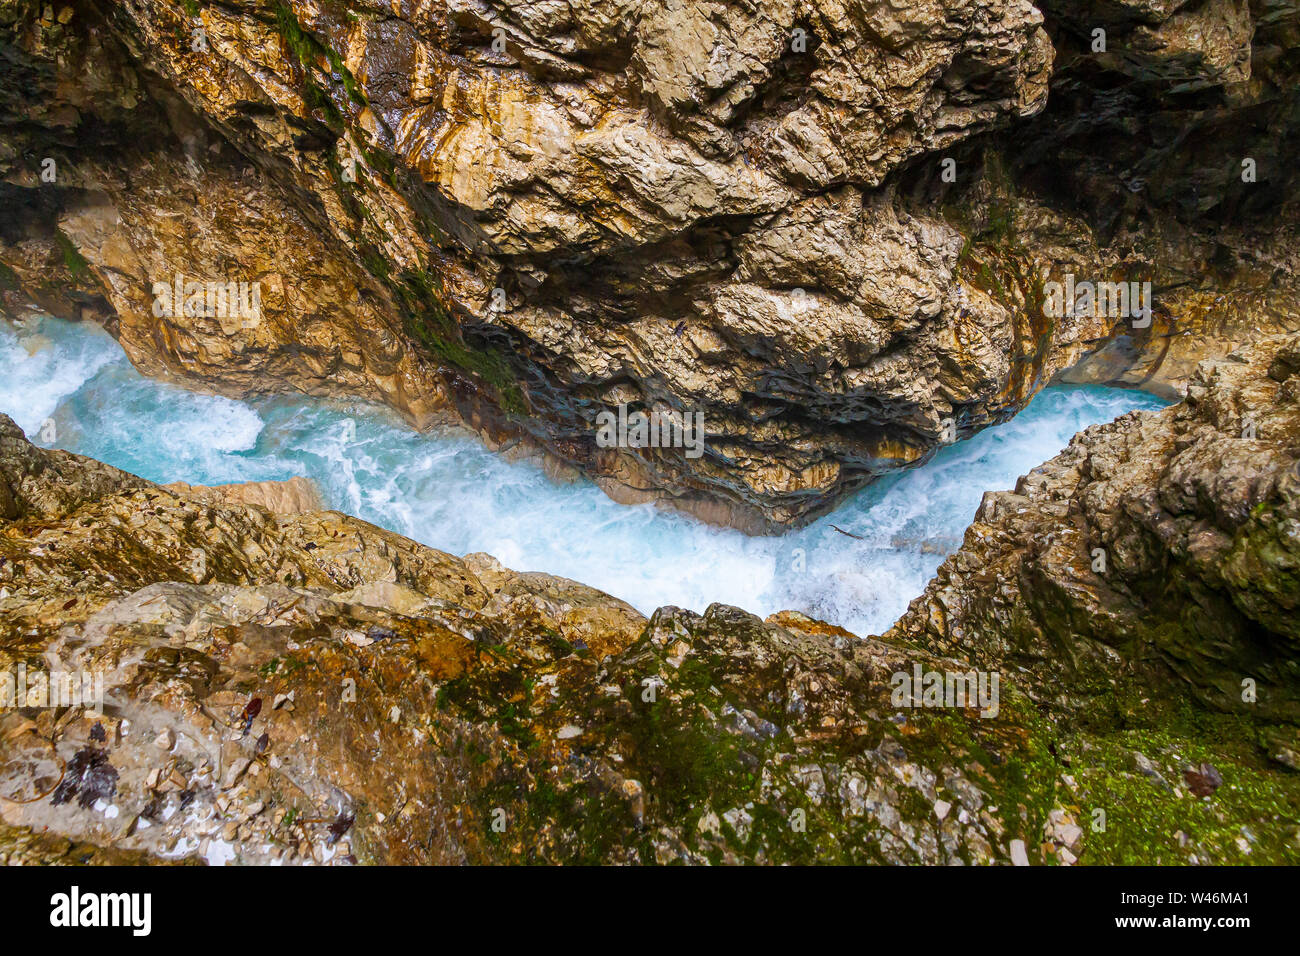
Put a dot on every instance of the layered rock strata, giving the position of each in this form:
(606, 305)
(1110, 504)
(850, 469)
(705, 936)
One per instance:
(520, 217)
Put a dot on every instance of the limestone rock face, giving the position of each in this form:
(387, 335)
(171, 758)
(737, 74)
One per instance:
(281, 497)
(823, 227)
(1191, 109)
(1161, 550)
(827, 228)
(50, 484)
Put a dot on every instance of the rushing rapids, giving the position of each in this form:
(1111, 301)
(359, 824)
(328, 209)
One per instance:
(858, 567)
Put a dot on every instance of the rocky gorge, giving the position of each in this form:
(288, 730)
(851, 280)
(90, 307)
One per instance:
(518, 216)
(825, 228)
(306, 687)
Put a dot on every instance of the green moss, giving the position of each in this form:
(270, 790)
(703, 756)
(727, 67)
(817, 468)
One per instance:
(76, 264)
(318, 101)
(1009, 757)
(1143, 816)
(382, 162)
(696, 766)
(350, 84)
(578, 822)
(1001, 227)
(8, 278)
(347, 190)
(309, 51)
(1251, 818)
(690, 764)
(498, 694)
(376, 262)
(428, 323)
(285, 666)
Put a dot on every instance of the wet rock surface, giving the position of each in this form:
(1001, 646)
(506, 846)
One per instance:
(287, 678)
(521, 216)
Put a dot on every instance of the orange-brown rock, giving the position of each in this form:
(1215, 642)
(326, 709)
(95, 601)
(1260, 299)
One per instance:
(524, 217)
(293, 496)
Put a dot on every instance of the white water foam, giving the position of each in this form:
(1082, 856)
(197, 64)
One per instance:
(39, 373)
(446, 490)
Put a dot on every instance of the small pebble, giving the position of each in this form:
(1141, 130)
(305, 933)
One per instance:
(1019, 856)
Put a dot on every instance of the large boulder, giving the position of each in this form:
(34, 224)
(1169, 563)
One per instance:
(1157, 556)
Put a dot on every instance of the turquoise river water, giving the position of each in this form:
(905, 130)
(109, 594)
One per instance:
(69, 385)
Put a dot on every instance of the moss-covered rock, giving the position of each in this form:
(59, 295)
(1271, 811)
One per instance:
(1159, 550)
